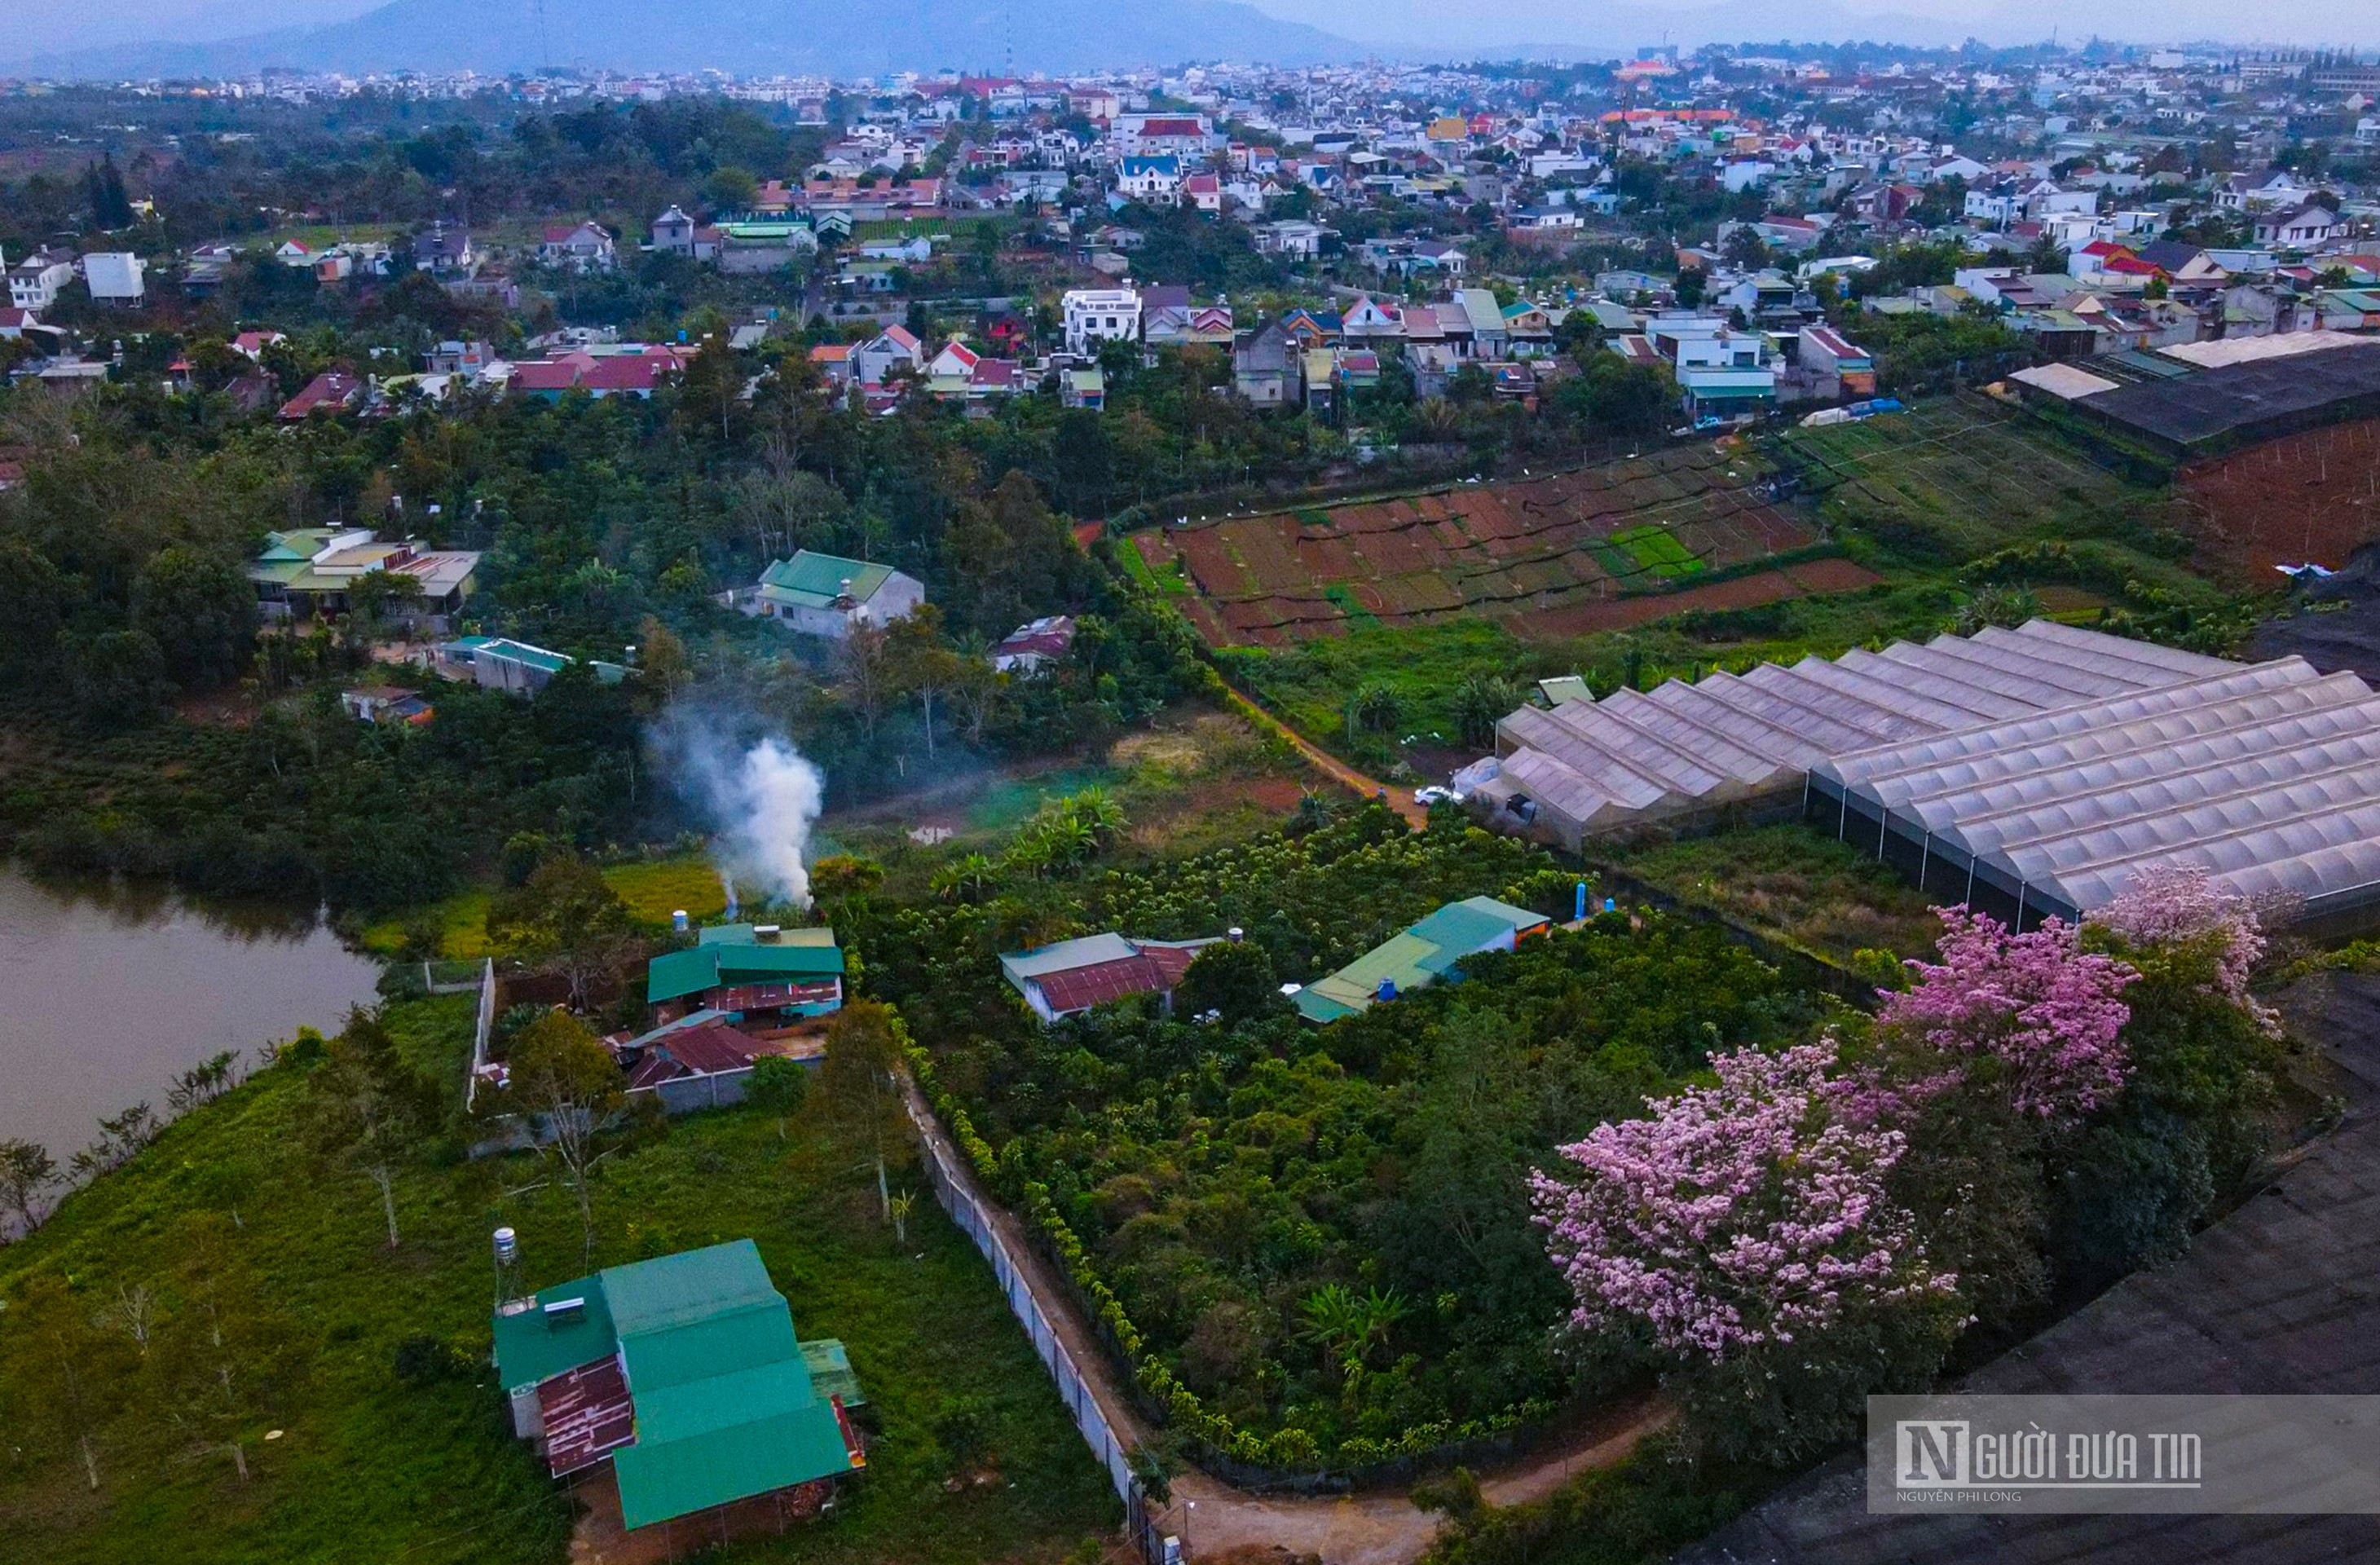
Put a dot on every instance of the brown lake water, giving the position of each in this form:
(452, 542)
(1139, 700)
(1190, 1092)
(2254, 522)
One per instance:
(107, 993)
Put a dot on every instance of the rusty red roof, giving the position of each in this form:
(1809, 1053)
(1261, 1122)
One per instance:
(587, 1415)
(703, 1051)
(1077, 989)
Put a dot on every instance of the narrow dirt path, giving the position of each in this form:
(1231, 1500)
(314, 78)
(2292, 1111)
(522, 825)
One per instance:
(1210, 1516)
(1330, 766)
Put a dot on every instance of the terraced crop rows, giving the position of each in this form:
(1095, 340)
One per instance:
(1514, 550)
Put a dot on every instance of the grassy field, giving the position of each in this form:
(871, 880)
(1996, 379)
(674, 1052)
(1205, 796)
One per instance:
(1954, 479)
(651, 890)
(367, 1466)
(654, 889)
(1195, 781)
(1791, 884)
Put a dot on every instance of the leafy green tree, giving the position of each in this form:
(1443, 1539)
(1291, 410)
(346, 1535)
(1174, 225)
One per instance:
(1348, 1325)
(1235, 978)
(33, 599)
(568, 918)
(27, 1172)
(1481, 701)
(380, 596)
(368, 1111)
(1011, 559)
(778, 1087)
(1618, 397)
(111, 208)
(860, 1080)
(730, 188)
(560, 1075)
(117, 677)
(923, 664)
(198, 606)
(1374, 709)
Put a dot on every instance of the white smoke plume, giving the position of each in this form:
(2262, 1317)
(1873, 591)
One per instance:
(767, 802)
(760, 797)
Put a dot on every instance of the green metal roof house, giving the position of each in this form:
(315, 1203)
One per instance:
(1424, 954)
(502, 663)
(762, 970)
(683, 1373)
(826, 594)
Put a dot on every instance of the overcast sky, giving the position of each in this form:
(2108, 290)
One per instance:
(2335, 23)
(37, 29)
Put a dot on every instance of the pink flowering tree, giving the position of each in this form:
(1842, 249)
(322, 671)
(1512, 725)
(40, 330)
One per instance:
(2181, 907)
(2035, 1013)
(1745, 1230)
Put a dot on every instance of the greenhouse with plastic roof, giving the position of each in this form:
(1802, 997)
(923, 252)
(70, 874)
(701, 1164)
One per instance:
(2267, 776)
(1668, 755)
(2030, 773)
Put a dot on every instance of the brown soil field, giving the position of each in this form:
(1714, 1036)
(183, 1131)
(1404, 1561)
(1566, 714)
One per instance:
(2313, 496)
(1806, 580)
(1519, 550)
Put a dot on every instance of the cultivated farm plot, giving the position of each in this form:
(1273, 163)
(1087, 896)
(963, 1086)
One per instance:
(1518, 550)
(2313, 496)
(1951, 477)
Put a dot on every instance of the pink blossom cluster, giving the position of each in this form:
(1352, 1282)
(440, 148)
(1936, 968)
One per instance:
(1738, 1214)
(2052, 1013)
(2183, 905)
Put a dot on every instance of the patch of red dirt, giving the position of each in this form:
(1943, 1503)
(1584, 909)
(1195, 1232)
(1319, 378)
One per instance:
(1816, 576)
(2312, 496)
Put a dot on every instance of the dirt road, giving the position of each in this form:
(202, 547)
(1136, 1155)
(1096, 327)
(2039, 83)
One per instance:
(1330, 766)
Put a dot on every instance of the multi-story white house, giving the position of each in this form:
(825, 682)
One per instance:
(1097, 315)
(1149, 179)
(34, 282)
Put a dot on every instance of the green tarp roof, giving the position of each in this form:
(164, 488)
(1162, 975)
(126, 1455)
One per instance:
(814, 581)
(1423, 953)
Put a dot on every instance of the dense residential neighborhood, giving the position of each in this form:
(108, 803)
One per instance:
(1367, 812)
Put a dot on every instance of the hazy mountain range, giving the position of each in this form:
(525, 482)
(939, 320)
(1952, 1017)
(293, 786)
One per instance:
(144, 38)
(747, 37)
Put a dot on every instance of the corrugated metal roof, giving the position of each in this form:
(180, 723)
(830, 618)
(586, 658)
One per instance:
(1081, 952)
(1423, 953)
(720, 1390)
(814, 581)
(712, 964)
